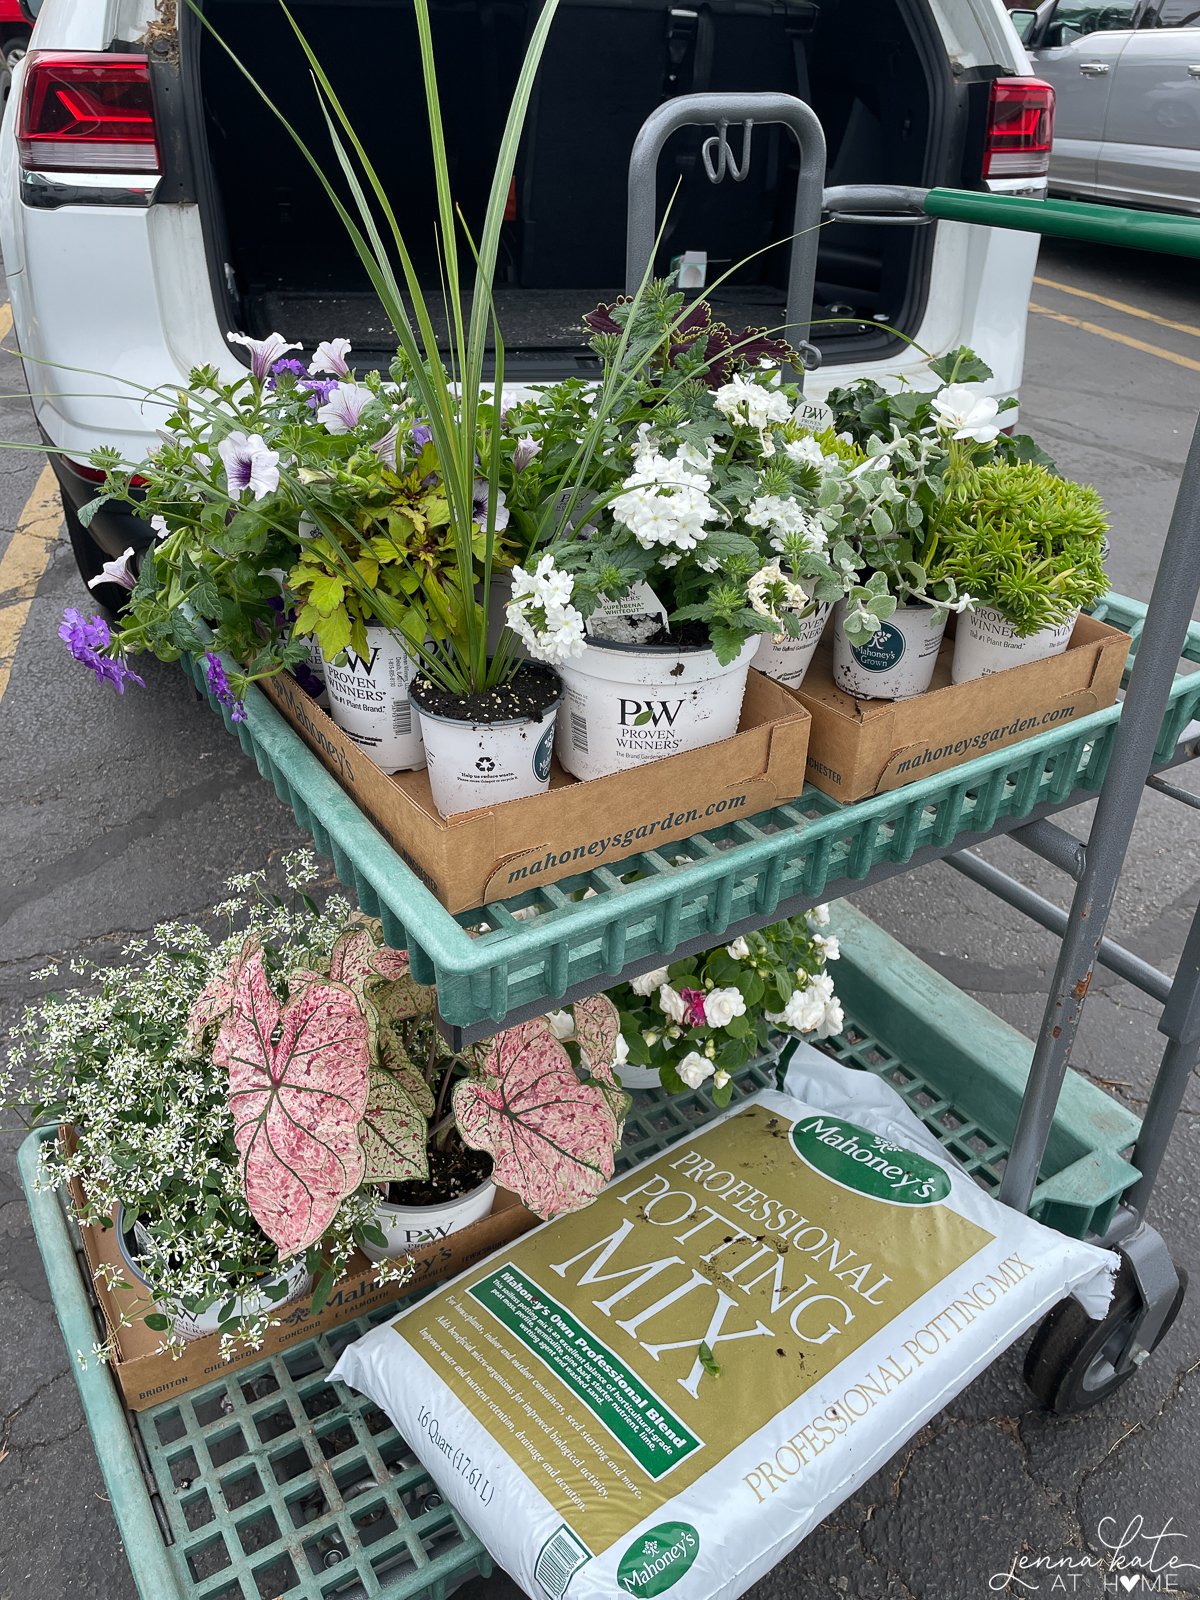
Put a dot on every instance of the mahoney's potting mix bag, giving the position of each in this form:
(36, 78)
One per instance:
(664, 1393)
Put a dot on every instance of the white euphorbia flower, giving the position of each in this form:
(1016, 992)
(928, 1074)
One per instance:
(738, 950)
(964, 412)
(650, 981)
(695, 1069)
(672, 1004)
(722, 1005)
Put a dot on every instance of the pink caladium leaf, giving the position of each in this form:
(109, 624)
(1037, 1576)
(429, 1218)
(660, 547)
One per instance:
(360, 957)
(212, 1004)
(297, 1091)
(395, 1127)
(552, 1138)
(597, 1024)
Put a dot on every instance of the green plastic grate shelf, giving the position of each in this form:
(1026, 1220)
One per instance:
(551, 944)
(270, 1483)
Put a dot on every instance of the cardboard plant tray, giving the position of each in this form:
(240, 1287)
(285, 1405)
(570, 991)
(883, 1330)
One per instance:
(503, 850)
(859, 748)
(146, 1377)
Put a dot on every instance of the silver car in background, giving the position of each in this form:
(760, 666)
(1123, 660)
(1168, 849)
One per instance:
(1127, 76)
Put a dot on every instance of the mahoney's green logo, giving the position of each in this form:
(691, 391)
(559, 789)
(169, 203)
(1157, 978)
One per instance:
(656, 1561)
(868, 1163)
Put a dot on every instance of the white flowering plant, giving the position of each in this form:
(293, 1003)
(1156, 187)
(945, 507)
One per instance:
(712, 488)
(700, 1019)
(149, 1119)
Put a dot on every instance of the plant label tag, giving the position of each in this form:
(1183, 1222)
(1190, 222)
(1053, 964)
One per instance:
(813, 414)
(638, 604)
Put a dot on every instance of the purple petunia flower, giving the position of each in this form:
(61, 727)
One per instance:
(481, 506)
(218, 687)
(343, 410)
(264, 353)
(331, 357)
(87, 640)
(249, 464)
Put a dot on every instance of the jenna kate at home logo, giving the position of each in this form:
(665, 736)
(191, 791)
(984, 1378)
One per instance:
(1139, 1558)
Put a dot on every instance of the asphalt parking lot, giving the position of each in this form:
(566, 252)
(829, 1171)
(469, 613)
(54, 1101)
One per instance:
(115, 814)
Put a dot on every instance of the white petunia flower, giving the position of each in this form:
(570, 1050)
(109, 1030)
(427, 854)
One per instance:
(331, 357)
(722, 1005)
(249, 465)
(695, 1069)
(962, 411)
(650, 981)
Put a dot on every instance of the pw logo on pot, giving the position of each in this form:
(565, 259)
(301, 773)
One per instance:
(637, 713)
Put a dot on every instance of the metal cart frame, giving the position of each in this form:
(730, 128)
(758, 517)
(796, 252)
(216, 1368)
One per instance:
(742, 876)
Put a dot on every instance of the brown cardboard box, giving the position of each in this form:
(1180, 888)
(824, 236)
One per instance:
(147, 1378)
(506, 849)
(863, 747)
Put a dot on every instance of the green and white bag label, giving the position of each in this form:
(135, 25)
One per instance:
(668, 1389)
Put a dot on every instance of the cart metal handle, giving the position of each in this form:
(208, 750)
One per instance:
(1157, 231)
(720, 110)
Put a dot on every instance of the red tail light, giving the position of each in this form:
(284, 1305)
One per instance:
(1020, 129)
(86, 113)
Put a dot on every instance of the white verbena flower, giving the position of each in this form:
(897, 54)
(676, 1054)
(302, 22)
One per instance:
(722, 1005)
(650, 981)
(695, 1069)
(672, 1004)
(753, 405)
(738, 950)
(805, 450)
(249, 464)
(770, 592)
(787, 521)
(665, 500)
(540, 613)
(962, 411)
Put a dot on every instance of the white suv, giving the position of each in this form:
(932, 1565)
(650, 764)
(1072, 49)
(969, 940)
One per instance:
(151, 204)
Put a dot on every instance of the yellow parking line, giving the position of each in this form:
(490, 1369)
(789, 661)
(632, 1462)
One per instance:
(23, 563)
(5, 322)
(1118, 338)
(1118, 305)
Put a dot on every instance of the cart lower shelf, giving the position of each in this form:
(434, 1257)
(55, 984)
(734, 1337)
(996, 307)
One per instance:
(270, 1483)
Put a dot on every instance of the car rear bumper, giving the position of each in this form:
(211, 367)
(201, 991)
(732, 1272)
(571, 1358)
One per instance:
(114, 528)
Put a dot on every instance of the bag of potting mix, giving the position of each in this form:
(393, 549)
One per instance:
(667, 1391)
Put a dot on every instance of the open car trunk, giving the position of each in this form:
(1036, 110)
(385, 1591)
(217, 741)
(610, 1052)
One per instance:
(875, 71)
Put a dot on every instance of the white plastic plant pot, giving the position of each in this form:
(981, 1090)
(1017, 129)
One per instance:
(474, 764)
(987, 642)
(628, 704)
(189, 1325)
(369, 700)
(408, 1227)
(787, 660)
(895, 663)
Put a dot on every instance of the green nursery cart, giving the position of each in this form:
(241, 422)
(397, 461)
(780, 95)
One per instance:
(270, 1482)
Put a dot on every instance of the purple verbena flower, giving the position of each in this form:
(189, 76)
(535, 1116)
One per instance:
(422, 435)
(296, 368)
(264, 353)
(87, 640)
(218, 687)
(319, 391)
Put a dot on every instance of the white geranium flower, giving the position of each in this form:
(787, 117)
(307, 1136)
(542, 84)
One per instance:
(562, 1025)
(962, 411)
(722, 1005)
(738, 950)
(649, 981)
(671, 1004)
(695, 1069)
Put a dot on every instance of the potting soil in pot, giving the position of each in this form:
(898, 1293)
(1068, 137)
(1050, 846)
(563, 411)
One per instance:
(667, 1391)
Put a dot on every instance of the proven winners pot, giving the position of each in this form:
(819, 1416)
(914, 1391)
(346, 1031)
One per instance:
(786, 659)
(987, 642)
(369, 700)
(407, 1227)
(627, 704)
(191, 1325)
(489, 747)
(895, 663)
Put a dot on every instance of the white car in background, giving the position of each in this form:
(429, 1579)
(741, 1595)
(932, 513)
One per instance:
(150, 204)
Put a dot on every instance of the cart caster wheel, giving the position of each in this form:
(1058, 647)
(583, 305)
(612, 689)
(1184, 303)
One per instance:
(1070, 1365)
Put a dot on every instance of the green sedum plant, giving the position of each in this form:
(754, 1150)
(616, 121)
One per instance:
(1029, 544)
